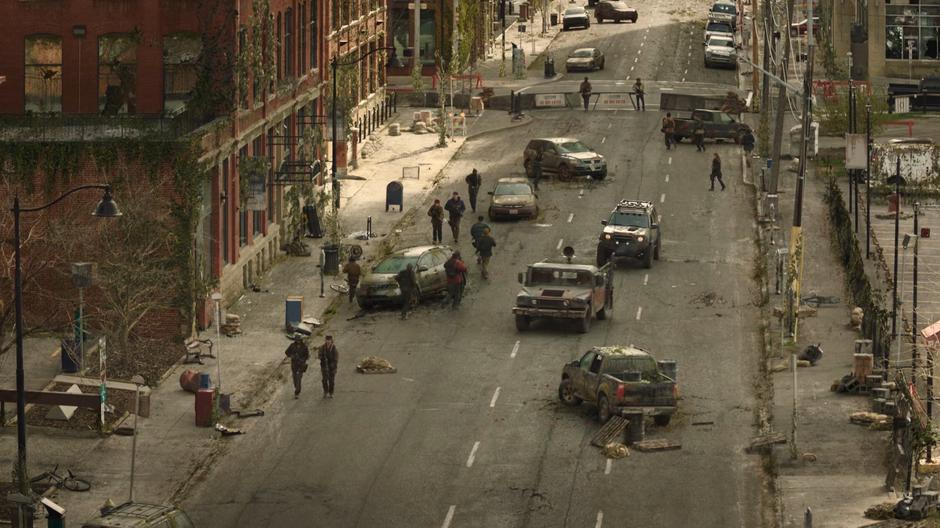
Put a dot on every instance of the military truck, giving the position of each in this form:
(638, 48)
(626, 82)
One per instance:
(616, 378)
(564, 289)
(632, 230)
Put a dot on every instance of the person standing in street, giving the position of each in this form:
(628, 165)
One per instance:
(669, 129)
(585, 90)
(485, 245)
(455, 207)
(473, 187)
(436, 212)
(298, 354)
(537, 170)
(640, 95)
(456, 271)
(716, 173)
(329, 362)
(353, 272)
(408, 284)
(698, 132)
(747, 141)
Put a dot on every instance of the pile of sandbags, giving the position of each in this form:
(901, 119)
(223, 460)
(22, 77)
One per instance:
(615, 450)
(232, 326)
(424, 122)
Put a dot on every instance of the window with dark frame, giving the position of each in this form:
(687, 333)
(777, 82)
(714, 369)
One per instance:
(314, 38)
(43, 74)
(289, 42)
(117, 74)
(279, 45)
(226, 198)
(302, 44)
(181, 53)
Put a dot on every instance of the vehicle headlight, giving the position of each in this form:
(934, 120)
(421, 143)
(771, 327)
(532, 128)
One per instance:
(534, 301)
(566, 302)
(640, 238)
(607, 236)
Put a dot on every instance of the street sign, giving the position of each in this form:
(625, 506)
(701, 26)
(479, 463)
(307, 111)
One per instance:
(549, 100)
(856, 151)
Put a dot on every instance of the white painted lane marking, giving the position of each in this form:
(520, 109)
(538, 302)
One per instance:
(642, 43)
(639, 52)
(600, 520)
(628, 77)
(603, 140)
(450, 516)
(686, 71)
(570, 217)
(667, 178)
(473, 453)
(609, 466)
(683, 79)
(639, 312)
(560, 242)
(581, 193)
(631, 69)
(662, 197)
(669, 162)
(515, 350)
(636, 60)
(495, 397)
(646, 279)
(690, 54)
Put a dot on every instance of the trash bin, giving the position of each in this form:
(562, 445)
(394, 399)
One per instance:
(204, 407)
(549, 67)
(330, 259)
(553, 18)
(71, 356)
(205, 381)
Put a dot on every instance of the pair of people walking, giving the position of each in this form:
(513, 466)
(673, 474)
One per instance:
(299, 354)
(484, 243)
(455, 208)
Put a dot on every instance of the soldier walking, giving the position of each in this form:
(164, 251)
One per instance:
(353, 272)
(640, 95)
(716, 173)
(537, 170)
(455, 207)
(476, 230)
(329, 361)
(436, 212)
(298, 354)
(747, 141)
(485, 245)
(698, 132)
(408, 284)
(669, 130)
(585, 90)
(456, 272)
(473, 187)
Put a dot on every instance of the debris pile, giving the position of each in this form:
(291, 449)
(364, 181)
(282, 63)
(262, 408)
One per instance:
(375, 365)
(232, 326)
(615, 450)
(875, 421)
(879, 512)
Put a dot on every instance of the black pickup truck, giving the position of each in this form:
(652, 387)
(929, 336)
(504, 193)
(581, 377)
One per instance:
(718, 125)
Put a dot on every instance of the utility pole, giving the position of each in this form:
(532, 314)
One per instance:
(897, 228)
(868, 181)
(765, 86)
(417, 38)
(781, 110)
(914, 300)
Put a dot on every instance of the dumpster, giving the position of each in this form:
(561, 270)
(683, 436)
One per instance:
(71, 356)
(330, 259)
(204, 407)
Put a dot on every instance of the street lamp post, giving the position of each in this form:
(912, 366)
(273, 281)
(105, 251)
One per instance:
(106, 209)
(334, 65)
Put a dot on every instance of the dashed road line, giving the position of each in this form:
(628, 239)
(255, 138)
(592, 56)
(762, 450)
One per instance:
(636, 60)
(560, 242)
(570, 217)
(686, 71)
(662, 197)
(631, 68)
(581, 194)
(603, 140)
(600, 520)
(495, 397)
(450, 516)
(642, 44)
(609, 125)
(667, 178)
(669, 162)
(646, 279)
(515, 350)
(639, 51)
(610, 464)
(683, 80)
(473, 453)
(639, 312)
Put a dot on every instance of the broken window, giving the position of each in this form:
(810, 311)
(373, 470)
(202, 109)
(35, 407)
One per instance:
(43, 73)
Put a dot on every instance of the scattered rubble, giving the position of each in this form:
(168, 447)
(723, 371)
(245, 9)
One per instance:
(767, 440)
(375, 365)
(232, 326)
(615, 450)
(882, 511)
(870, 419)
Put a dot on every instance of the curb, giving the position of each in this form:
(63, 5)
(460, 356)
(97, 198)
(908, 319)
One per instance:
(484, 133)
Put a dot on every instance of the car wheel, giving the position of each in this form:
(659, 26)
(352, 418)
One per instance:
(659, 243)
(603, 256)
(566, 393)
(564, 173)
(584, 326)
(600, 20)
(600, 175)
(603, 409)
(648, 259)
(522, 322)
(662, 420)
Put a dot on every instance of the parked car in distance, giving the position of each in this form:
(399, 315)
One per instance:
(565, 157)
(585, 59)
(575, 17)
(720, 51)
(614, 10)
(379, 287)
(718, 125)
(513, 198)
(140, 515)
(800, 28)
(724, 11)
(718, 28)
(616, 378)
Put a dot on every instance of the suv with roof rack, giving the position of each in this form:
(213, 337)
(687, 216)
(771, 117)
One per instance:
(631, 231)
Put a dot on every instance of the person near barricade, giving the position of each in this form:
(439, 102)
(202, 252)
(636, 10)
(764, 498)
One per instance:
(474, 180)
(329, 362)
(640, 94)
(485, 245)
(353, 272)
(716, 173)
(585, 90)
(436, 212)
(698, 134)
(456, 272)
(298, 354)
(408, 284)
(456, 208)
(669, 130)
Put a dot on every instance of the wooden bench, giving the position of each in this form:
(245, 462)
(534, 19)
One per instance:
(195, 350)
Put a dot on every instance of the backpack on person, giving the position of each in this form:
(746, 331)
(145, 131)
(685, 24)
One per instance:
(450, 268)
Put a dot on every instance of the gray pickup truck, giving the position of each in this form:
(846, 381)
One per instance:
(718, 125)
(620, 377)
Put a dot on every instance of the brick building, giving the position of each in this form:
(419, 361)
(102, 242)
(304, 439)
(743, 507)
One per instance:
(242, 80)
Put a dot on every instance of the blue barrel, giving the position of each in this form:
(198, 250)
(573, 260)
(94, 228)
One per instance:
(204, 381)
(71, 356)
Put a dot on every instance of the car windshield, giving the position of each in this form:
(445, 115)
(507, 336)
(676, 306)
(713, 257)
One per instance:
(727, 9)
(515, 189)
(582, 53)
(574, 11)
(572, 147)
(645, 365)
(394, 264)
(628, 218)
(718, 27)
(720, 42)
(559, 277)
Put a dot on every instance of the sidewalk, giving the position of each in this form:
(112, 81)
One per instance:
(533, 42)
(171, 450)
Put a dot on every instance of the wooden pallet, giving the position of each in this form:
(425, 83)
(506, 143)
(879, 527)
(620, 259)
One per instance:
(658, 444)
(610, 432)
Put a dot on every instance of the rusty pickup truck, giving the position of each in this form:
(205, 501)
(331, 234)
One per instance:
(619, 377)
